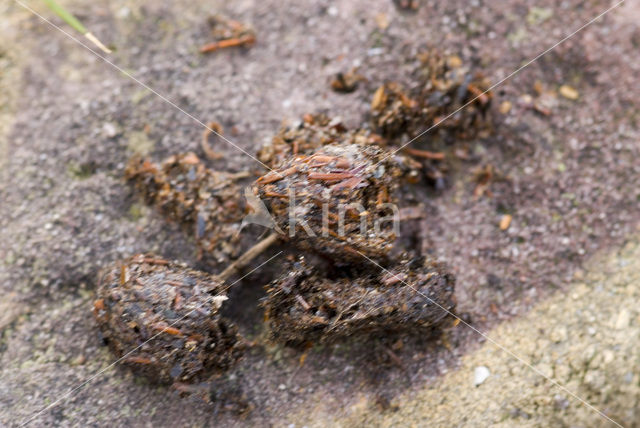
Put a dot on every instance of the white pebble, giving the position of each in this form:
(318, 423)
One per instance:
(480, 374)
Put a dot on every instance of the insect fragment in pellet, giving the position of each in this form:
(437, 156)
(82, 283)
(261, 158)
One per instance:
(188, 342)
(307, 305)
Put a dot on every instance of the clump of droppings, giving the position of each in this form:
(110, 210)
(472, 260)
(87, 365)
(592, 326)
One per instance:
(308, 135)
(338, 201)
(443, 84)
(392, 109)
(164, 320)
(305, 305)
(208, 203)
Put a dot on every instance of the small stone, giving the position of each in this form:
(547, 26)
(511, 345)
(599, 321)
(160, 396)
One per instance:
(505, 107)
(109, 130)
(79, 360)
(623, 319)
(595, 379)
(480, 374)
(559, 334)
(560, 402)
(608, 356)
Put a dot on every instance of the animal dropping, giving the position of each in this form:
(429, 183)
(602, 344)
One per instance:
(307, 305)
(164, 320)
(336, 201)
(308, 135)
(210, 204)
(443, 85)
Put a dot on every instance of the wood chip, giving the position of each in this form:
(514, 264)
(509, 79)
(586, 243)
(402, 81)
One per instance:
(569, 92)
(204, 143)
(505, 221)
(454, 61)
(424, 154)
(379, 98)
(382, 20)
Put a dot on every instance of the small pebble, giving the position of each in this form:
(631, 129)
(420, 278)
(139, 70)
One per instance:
(480, 374)
(622, 319)
(505, 107)
(109, 130)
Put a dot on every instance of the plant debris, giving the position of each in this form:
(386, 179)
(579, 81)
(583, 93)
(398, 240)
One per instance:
(407, 5)
(569, 92)
(483, 178)
(309, 134)
(306, 306)
(204, 143)
(228, 33)
(164, 320)
(346, 82)
(340, 196)
(392, 109)
(443, 86)
(315, 131)
(207, 202)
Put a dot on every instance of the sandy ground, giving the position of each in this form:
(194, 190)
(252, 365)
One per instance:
(69, 122)
(585, 340)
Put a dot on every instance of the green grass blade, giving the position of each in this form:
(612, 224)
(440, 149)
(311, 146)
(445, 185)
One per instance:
(66, 16)
(73, 22)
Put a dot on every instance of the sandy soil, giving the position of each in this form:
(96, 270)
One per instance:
(586, 340)
(69, 122)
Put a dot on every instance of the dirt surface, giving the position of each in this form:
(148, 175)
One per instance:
(586, 340)
(69, 122)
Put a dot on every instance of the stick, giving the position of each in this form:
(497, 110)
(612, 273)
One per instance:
(228, 43)
(246, 258)
(424, 154)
